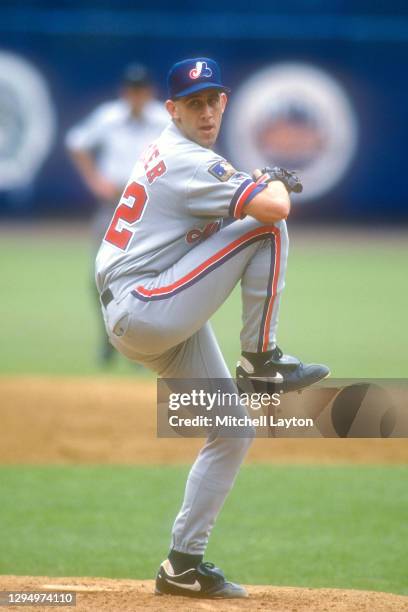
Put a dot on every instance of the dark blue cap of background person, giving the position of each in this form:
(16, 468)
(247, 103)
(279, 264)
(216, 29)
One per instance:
(136, 75)
(192, 75)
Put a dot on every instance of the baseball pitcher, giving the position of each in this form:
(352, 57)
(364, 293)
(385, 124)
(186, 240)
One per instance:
(187, 229)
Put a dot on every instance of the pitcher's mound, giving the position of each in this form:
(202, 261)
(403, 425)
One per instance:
(134, 595)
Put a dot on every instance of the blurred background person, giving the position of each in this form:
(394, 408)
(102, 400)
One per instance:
(104, 148)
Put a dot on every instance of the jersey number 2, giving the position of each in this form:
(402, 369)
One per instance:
(131, 211)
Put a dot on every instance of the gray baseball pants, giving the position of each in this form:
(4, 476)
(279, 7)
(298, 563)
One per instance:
(163, 324)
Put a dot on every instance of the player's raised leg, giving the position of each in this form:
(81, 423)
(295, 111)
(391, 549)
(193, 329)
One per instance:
(263, 364)
(168, 308)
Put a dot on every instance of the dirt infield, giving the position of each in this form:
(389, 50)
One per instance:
(101, 420)
(134, 595)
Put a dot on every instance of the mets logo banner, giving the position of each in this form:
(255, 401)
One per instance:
(298, 117)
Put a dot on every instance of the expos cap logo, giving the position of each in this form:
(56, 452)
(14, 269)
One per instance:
(201, 69)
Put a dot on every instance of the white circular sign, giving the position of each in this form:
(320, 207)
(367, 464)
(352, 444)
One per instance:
(295, 116)
(27, 121)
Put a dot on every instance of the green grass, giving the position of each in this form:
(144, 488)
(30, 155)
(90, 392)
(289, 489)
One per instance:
(310, 526)
(343, 305)
(50, 322)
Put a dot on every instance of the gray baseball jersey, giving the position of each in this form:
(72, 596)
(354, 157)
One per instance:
(178, 195)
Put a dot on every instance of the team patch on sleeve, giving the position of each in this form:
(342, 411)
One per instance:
(222, 170)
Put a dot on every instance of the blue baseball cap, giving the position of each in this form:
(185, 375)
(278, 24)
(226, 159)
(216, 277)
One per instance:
(191, 75)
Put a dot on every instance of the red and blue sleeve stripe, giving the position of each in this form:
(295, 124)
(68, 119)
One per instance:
(243, 195)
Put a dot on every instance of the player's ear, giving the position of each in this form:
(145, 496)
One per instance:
(171, 109)
(224, 100)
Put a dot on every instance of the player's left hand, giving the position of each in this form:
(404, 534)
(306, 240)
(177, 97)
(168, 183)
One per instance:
(289, 178)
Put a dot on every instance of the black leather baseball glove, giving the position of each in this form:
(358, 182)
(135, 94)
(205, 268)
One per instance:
(289, 179)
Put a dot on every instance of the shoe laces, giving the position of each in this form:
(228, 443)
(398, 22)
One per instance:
(211, 572)
(207, 564)
(275, 355)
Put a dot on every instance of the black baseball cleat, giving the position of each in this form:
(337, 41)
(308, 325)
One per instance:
(277, 372)
(205, 581)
